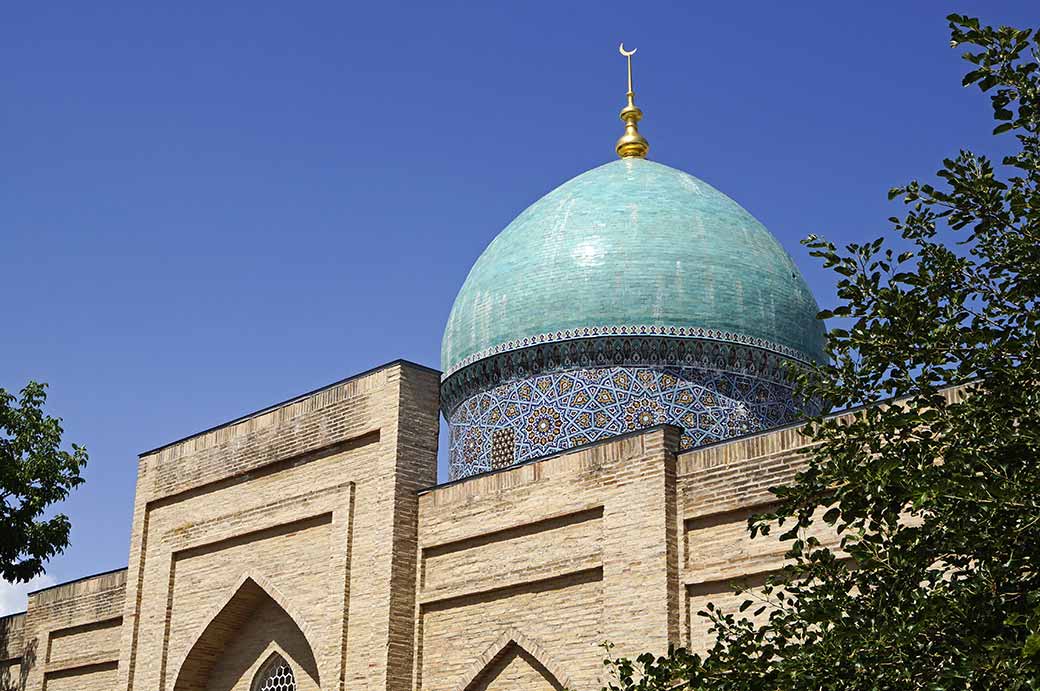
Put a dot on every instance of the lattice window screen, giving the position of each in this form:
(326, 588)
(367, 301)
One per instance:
(503, 453)
(276, 675)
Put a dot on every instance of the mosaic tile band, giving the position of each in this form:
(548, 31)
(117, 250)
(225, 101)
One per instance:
(629, 330)
(552, 412)
(610, 351)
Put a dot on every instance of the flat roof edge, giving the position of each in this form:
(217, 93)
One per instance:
(298, 397)
(554, 454)
(76, 580)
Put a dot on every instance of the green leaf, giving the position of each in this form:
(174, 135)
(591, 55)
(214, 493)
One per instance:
(1032, 646)
(972, 77)
(36, 473)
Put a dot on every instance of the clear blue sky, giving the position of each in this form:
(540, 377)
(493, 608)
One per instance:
(206, 208)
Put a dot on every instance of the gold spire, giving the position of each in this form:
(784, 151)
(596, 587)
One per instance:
(631, 144)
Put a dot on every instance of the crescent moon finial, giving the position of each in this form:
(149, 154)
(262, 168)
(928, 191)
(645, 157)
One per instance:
(631, 144)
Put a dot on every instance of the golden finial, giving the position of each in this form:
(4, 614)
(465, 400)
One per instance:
(631, 144)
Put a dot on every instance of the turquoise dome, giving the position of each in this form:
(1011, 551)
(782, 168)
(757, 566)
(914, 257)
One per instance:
(632, 247)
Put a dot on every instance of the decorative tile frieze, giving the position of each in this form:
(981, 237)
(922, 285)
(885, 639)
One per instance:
(610, 351)
(692, 332)
(552, 412)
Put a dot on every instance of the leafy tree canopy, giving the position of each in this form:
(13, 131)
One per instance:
(34, 474)
(936, 496)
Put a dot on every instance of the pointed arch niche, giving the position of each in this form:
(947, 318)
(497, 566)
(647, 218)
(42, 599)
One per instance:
(514, 661)
(250, 634)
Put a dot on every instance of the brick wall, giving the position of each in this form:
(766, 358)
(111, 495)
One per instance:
(721, 487)
(305, 511)
(12, 645)
(305, 531)
(545, 562)
(70, 636)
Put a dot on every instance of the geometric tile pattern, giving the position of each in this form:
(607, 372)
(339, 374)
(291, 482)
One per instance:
(610, 351)
(628, 330)
(548, 413)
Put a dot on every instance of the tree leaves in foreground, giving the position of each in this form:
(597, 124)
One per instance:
(34, 474)
(936, 497)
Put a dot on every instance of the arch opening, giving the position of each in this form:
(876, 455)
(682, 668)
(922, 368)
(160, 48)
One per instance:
(515, 668)
(251, 635)
(514, 661)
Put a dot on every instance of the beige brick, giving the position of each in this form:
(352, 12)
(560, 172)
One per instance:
(312, 530)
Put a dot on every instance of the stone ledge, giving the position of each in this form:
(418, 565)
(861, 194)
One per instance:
(560, 568)
(105, 657)
(547, 522)
(444, 599)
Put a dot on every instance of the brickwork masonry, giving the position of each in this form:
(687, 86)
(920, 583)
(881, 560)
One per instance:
(313, 530)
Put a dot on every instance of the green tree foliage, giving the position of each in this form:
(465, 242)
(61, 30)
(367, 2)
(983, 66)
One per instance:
(936, 497)
(34, 474)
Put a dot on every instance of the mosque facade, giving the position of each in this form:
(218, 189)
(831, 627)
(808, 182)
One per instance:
(615, 376)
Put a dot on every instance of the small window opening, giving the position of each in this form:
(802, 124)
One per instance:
(275, 675)
(503, 453)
